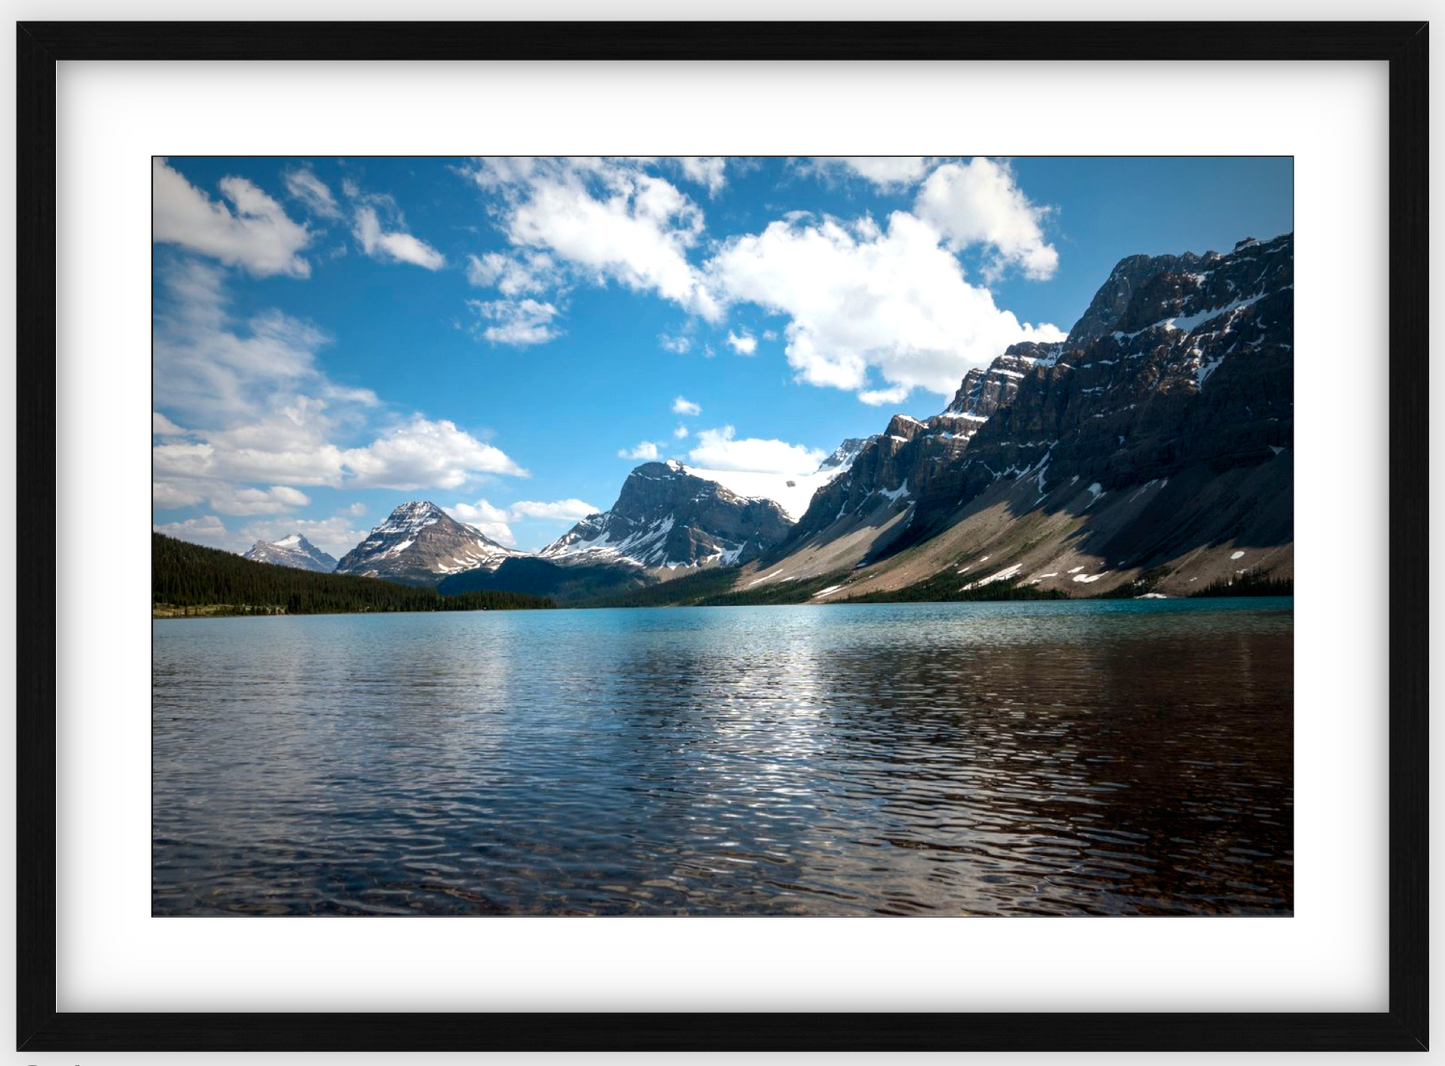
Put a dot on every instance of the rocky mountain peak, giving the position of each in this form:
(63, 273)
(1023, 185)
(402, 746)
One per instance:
(666, 517)
(294, 551)
(843, 456)
(419, 544)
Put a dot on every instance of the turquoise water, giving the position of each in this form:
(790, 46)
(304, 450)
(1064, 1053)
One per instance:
(1088, 757)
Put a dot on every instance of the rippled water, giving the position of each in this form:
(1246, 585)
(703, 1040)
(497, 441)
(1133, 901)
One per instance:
(1125, 757)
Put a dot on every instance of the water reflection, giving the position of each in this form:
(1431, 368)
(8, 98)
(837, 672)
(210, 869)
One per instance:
(1082, 758)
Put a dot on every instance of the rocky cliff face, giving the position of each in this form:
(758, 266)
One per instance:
(666, 518)
(294, 551)
(1180, 363)
(420, 544)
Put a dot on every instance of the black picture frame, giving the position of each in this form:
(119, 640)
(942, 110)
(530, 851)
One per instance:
(1404, 45)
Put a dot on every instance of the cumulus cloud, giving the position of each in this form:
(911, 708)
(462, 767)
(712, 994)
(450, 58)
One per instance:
(608, 220)
(680, 432)
(879, 397)
(864, 300)
(979, 202)
(253, 232)
(681, 405)
(645, 450)
(261, 418)
(720, 449)
(393, 245)
(496, 522)
(424, 453)
(278, 499)
(570, 510)
(875, 309)
(490, 521)
(161, 426)
(889, 173)
(515, 322)
(514, 275)
(312, 192)
(207, 529)
(706, 171)
(744, 343)
(168, 495)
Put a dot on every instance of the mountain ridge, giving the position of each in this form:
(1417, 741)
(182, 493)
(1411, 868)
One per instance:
(294, 551)
(420, 544)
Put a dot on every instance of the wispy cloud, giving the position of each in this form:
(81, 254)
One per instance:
(645, 450)
(516, 322)
(254, 232)
(313, 193)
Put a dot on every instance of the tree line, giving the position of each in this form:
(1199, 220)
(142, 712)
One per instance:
(186, 575)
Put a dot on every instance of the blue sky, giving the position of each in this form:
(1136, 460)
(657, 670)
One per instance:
(508, 338)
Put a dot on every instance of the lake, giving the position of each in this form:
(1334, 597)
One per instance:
(1067, 758)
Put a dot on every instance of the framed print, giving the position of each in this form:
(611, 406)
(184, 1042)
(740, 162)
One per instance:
(789, 506)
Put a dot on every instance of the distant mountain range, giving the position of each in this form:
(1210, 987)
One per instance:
(1149, 453)
(293, 551)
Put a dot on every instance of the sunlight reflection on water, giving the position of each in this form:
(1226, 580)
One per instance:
(1106, 757)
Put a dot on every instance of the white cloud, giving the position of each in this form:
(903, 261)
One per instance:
(393, 245)
(607, 219)
(515, 322)
(168, 495)
(889, 173)
(514, 275)
(570, 510)
(263, 418)
(744, 343)
(422, 454)
(707, 171)
(212, 368)
(208, 530)
(355, 510)
(980, 203)
(879, 397)
(495, 522)
(278, 499)
(161, 426)
(257, 235)
(680, 432)
(315, 196)
(864, 300)
(491, 521)
(681, 405)
(719, 449)
(645, 450)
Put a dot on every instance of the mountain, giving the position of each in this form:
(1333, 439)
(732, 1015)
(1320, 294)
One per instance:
(188, 580)
(666, 518)
(561, 582)
(1153, 445)
(420, 544)
(294, 551)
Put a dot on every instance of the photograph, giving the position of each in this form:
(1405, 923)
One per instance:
(678, 536)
